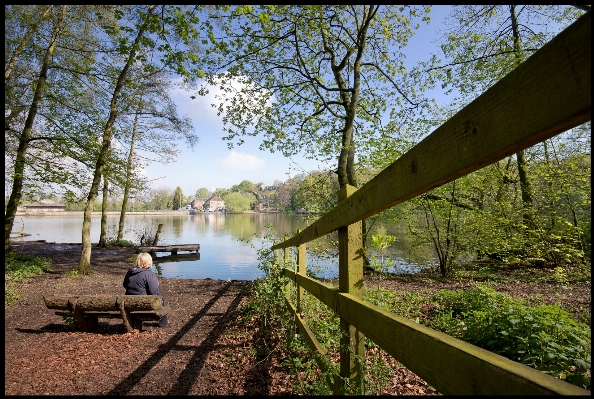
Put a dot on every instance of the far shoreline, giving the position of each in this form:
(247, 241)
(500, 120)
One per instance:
(129, 213)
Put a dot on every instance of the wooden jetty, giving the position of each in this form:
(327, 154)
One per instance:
(169, 248)
(20, 233)
(178, 258)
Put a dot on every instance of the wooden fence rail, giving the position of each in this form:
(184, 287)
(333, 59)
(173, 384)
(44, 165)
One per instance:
(546, 95)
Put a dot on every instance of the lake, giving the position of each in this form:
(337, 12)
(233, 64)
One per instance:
(228, 242)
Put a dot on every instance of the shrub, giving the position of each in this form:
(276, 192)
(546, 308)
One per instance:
(545, 337)
(17, 267)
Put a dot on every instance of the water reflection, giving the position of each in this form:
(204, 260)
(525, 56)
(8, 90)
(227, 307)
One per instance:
(228, 243)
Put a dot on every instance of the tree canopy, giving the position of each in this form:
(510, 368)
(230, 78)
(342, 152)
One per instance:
(312, 79)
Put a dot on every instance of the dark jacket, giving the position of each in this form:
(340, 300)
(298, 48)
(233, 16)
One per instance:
(141, 282)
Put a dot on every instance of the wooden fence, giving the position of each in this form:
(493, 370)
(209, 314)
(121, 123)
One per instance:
(546, 95)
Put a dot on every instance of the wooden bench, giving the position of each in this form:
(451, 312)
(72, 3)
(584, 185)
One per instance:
(88, 309)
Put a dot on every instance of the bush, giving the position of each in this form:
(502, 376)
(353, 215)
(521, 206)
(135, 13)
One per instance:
(544, 337)
(17, 267)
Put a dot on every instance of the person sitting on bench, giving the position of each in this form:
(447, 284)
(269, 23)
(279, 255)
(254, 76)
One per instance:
(141, 280)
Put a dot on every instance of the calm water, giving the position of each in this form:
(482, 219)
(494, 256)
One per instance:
(226, 241)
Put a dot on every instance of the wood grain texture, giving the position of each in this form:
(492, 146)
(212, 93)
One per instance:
(450, 365)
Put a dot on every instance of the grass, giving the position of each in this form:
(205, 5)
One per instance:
(17, 269)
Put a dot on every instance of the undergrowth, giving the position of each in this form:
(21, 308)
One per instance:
(544, 337)
(17, 268)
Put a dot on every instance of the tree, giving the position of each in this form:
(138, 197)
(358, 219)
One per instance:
(246, 186)
(23, 40)
(237, 202)
(331, 70)
(160, 199)
(135, 44)
(25, 135)
(179, 199)
(484, 43)
(317, 193)
(286, 194)
(202, 193)
(155, 128)
(103, 235)
(220, 192)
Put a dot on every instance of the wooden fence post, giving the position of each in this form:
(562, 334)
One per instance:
(287, 258)
(301, 269)
(350, 280)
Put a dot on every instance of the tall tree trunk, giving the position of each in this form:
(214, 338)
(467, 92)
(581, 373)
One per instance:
(526, 189)
(504, 181)
(84, 265)
(346, 159)
(550, 189)
(103, 236)
(127, 184)
(19, 165)
(24, 40)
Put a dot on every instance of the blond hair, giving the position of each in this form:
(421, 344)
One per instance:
(144, 260)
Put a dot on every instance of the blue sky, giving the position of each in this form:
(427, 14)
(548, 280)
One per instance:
(212, 164)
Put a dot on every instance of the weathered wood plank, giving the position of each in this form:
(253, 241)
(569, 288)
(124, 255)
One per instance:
(449, 364)
(178, 257)
(169, 248)
(350, 280)
(301, 269)
(546, 95)
(317, 350)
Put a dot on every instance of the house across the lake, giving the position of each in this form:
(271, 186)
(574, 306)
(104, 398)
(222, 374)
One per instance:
(214, 203)
(198, 203)
(42, 207)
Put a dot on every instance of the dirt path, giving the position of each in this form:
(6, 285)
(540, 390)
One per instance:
(208, 348)
(202, 351)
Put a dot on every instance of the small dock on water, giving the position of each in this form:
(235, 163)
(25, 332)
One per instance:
(173, 249)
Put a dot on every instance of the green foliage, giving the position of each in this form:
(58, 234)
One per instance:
(316, 54)
(178, 200)
(269, 306)
(244, 186)
(121, 244)
(220, 192)
(202, 192)
(70, 321)
(544, 336)
(237, 202)
(381, 242)
(17, 268)
(376, 371)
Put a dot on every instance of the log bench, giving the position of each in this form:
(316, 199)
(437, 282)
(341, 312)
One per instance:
(88, 309)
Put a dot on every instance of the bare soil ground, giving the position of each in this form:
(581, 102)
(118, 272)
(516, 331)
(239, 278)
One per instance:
(208, 348)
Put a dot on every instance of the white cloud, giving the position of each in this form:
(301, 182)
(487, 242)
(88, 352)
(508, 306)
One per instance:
(241, 161)
(205, 108)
